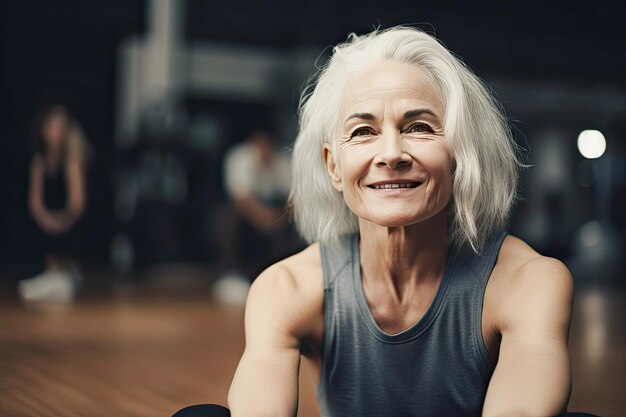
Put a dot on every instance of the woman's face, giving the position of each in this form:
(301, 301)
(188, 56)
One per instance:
(54, 130)
(394, 165)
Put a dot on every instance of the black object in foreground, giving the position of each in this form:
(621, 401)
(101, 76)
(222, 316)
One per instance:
(213, 410)
(203, 410)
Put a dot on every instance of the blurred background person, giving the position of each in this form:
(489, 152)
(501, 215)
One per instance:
(56, 200)
(254, 229)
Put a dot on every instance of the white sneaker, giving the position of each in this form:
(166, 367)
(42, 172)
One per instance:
(231, 288)
(50, 286)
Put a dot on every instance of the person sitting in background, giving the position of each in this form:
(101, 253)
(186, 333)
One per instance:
(56, 201)
(255, 231)
(257, 180)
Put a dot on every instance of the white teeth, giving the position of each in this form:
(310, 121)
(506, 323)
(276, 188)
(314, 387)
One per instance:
(403, 185)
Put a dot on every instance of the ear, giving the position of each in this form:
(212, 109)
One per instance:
(333, 170)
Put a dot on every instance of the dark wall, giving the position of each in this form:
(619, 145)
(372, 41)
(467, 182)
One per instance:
(65, 51)
(578, 40)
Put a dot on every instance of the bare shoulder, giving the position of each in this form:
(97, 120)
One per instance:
(528, 283)
(37, 162)
(294, 275)
(305, 266)
(525, 266)
(73, 161)
(290, 290)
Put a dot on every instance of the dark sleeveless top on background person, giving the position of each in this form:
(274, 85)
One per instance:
(55, 187)
(439, 366)
(55, 196)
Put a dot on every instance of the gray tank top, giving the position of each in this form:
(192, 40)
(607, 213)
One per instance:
(440, 366)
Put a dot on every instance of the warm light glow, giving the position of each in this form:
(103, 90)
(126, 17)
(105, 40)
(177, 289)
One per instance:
(591, 144)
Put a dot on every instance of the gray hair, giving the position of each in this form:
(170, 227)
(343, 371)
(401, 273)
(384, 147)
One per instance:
(485, 161)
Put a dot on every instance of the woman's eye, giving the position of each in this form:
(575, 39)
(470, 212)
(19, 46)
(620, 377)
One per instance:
(362, 131)
(420, 128)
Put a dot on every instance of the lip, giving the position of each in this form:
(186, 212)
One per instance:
(416, 184)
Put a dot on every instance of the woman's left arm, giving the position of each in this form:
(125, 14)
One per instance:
(533, 375)
(75, 184)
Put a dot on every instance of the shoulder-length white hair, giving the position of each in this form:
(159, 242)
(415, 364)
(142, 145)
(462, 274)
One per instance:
(485, 162)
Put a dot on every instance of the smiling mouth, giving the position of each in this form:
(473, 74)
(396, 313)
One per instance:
(395, 185)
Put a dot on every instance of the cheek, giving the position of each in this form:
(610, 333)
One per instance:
(354, 163)
(443, 169)
(435, 159)
(353, 166)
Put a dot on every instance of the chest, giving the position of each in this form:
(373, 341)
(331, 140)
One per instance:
(54, 189)
(394, 316)
(268, 181)
(393, 319)
(442, 344)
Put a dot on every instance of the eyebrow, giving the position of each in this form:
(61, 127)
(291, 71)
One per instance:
(408, 115)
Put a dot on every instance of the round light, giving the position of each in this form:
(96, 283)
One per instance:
(591, 144)
(590, 233)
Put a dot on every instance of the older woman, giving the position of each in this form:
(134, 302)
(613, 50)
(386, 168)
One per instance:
(412, 300)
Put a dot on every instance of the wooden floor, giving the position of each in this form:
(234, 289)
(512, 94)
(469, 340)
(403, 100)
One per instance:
(146, 355)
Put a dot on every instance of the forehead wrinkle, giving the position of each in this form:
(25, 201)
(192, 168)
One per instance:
(398, 109)
(374, 83)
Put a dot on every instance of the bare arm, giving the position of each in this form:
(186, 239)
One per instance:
(266, 381)
(42, 216)
(264, 218)
(55, 222)
(533, 376)
(35, 191)
(75, 184)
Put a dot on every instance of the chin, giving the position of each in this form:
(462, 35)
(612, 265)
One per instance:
(399, 218)
(393, 220)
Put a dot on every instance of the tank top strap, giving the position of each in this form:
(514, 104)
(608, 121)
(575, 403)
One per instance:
(490, 253)
(336, 256)
(480, 265)
(468, 292)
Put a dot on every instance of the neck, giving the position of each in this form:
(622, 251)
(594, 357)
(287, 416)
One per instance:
(53, 153)
(405, 257)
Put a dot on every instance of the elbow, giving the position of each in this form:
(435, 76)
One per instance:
(32, 208)
(255, 413)
(253, 409)
(35, 207)
(76, 208)
(530, 410)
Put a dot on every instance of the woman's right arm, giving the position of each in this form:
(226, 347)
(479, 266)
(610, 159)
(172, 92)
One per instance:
(35, 192)
(37, 209)
(266, 381)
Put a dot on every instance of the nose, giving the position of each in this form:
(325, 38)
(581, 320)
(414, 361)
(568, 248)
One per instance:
(391, 153)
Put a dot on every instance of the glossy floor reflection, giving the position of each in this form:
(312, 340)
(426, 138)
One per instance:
(146, 355)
